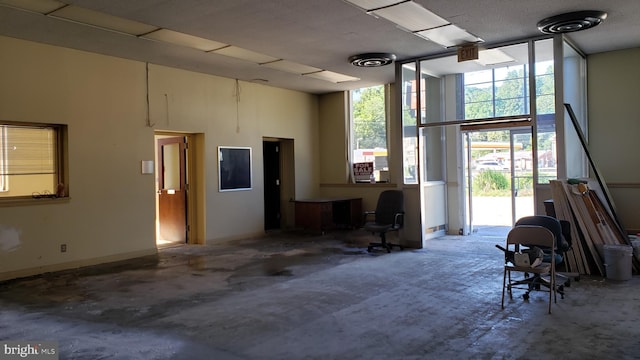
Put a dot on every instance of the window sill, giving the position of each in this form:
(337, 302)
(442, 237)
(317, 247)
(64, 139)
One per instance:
(27, 201)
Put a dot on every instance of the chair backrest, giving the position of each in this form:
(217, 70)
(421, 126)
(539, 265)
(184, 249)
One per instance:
(550, 223)
(390, 203)
(531, 235)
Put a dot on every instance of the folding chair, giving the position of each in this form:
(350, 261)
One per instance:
(534, 277)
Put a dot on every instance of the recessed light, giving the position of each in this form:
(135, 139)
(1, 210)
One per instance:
(570, 22)
(372, 59)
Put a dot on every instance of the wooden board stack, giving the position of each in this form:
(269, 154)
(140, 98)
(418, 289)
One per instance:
(592, 225)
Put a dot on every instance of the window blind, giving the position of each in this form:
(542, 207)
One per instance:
(27, 150)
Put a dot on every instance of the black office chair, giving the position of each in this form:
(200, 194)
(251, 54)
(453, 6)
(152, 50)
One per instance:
(561, 231)
(388, 216)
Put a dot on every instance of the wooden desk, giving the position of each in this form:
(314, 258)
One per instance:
(319, 215)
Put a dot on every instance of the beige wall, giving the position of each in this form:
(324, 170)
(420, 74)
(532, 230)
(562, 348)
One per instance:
(197, 103)
(334, 170)
(111, 213)
(102, 99)
(614, 127)
(333, 133)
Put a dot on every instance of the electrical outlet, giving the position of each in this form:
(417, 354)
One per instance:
(63, 247)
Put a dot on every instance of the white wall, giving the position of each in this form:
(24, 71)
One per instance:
(111, 211)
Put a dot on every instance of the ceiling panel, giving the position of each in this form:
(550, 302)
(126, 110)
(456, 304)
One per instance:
(318, 34)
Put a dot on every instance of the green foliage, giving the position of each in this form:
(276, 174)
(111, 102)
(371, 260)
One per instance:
(369, 125)
(509, 95)
(489, 180)
(478, 102)
(408, 119)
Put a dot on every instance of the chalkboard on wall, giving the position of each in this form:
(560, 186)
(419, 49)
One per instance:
(234, 168)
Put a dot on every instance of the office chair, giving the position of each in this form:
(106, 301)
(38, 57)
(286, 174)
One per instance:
(529, 236)
(388, 216)
(561, 230)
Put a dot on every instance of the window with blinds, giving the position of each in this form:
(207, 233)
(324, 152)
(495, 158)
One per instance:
(29, 160)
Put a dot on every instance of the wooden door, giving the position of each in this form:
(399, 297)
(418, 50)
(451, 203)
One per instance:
(172, 190)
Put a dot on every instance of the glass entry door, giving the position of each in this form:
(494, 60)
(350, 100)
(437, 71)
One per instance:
(498, 177)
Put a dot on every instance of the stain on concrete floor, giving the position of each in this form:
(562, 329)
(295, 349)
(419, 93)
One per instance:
(297, 296)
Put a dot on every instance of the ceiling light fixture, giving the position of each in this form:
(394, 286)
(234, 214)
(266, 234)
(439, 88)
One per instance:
(183, 39)
(414, 18)
(331, 76)
(102, 20)
(244, 54)
(410, 16)
(291, 67)
(570, 22)
(449, 36)
(372, 59)
(374, 4)
(39, 6)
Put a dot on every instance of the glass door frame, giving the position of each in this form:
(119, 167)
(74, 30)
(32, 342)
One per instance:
(514, 129)
(454, 176)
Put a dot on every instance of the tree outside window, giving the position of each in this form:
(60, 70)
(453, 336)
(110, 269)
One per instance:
(369, 128)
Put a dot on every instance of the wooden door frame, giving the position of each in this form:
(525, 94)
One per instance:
(287, 181)
(267, 166)
(195, 173)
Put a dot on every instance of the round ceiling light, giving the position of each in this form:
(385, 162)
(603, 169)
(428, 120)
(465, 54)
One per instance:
(372, 59)
(570, 22)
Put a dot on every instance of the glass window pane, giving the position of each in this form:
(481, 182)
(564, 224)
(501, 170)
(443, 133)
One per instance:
(478, 77)
(509, 89)
(369, 129)
(545, 107)
(28, 163)
(509, 107)
(574, 92)
(409, 123)
(495, 92)
(432, 141)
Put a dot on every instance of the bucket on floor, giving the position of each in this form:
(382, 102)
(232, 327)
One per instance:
(617, 260)
(635, 243)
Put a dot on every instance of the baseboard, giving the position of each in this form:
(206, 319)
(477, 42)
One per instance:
(16, 274)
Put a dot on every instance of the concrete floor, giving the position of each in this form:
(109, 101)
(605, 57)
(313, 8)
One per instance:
(291, 296)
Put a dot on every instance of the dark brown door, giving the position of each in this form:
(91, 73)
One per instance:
(271, 156)
(172, 193)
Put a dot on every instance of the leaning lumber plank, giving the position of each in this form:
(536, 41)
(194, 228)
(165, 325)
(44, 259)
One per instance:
(614, 233)
(583, 251)
(606, 219)
(592, 228)
(602, 193)
(577, 260)
(605, 234)
(588, 232)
